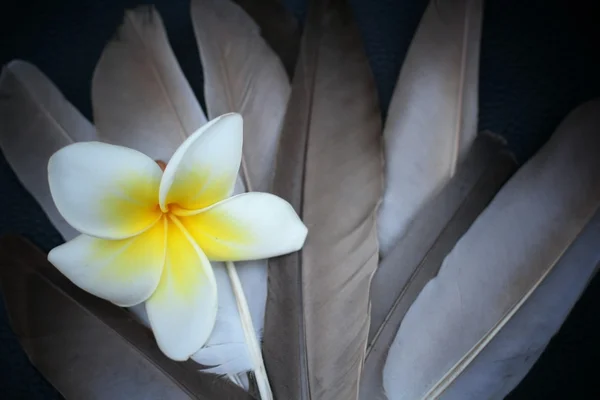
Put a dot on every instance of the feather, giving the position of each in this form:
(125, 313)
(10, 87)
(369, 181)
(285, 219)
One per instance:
(431, 235)
(279, 28)
(37, 121)
(242, 74)
(329, 167)
(87, 347)
(496, 268)
(507, 358)
(140, 96)
(432, 120)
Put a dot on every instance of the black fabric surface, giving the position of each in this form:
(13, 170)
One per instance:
(537, 63)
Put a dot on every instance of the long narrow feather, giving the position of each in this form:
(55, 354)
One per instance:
(86, 347)
(242, 74)
(432, 120)
(35, 121)
(430, 237)
(497, 267)
(140, 96)
(329, 167)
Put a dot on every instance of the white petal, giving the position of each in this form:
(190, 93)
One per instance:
(203, 170)
(251, 226)
(183, 309)
(125, 272)
(104, 190)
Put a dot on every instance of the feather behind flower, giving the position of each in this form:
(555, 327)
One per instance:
(87, 347)
(244, 75)
(37, 121)
(329, 167)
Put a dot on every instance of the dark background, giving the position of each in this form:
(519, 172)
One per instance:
(538, 62)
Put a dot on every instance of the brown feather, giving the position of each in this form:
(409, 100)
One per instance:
(329, 167)
(86, 347)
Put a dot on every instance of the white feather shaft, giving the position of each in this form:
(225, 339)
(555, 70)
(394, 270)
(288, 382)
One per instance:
(262, 380)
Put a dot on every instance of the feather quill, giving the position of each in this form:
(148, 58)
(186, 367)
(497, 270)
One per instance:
(492, 276)
(35, 121)
(329, 166)
(432, 120)
(87, 347)
(430, 237)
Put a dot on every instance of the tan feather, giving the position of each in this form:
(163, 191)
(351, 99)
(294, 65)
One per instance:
(244, 75)
(140, 96)
(86, 347)
(329, 167)
(498, 266)
(432, 120)
(36, 120)
(430, 237)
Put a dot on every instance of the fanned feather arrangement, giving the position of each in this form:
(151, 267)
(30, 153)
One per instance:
(329, 167)
(481, 314)
(431, 235)
(457, 281)
(437, 177)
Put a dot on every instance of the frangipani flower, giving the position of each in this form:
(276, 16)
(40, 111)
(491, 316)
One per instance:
(148, 235)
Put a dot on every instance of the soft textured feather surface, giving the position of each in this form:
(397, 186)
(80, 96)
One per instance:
(35, 121)
(86, 347)
(432, 119)
(507, 358)
(140, 96)
(242, 74)
(430, 237)
(497, 267)
(329, 167)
